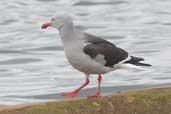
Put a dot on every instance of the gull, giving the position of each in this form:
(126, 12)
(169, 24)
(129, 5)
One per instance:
(90, 54)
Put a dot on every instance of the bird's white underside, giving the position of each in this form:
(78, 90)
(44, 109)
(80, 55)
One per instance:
(84, 63)
(74, 43)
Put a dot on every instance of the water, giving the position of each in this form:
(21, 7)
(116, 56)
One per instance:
(33, 66)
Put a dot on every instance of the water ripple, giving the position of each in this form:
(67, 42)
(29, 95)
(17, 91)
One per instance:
(20, 61)
(33, 66)
(89, 3)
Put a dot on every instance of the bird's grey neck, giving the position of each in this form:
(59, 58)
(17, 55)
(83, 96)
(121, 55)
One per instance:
(67, 33)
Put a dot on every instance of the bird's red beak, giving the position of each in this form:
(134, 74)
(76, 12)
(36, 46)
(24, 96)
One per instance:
(45, 25)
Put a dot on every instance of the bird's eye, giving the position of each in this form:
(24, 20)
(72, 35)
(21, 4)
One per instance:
(53, 19)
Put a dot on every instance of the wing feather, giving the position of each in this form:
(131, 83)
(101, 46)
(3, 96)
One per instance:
(112, 54)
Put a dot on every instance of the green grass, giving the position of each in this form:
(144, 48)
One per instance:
(148, 101)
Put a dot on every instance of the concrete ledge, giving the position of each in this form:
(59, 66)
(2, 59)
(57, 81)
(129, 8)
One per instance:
(147, 101)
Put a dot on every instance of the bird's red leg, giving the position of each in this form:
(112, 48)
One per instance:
(76, 91)
(97, 94)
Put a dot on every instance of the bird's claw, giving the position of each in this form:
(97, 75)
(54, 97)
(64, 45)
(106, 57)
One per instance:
(70, 94)
(97, 95)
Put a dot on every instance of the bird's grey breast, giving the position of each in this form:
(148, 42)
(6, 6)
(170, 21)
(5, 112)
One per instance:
(74, 53)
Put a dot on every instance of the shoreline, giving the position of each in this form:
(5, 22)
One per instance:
(69, 105)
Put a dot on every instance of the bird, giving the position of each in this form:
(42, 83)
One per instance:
(90, 54)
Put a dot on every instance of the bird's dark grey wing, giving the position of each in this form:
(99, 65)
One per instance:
(96, 46)
(94, 39)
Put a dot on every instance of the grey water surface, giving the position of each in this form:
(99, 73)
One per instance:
(32, 62)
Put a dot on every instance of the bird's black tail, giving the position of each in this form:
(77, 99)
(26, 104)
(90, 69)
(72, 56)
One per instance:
(137, 61)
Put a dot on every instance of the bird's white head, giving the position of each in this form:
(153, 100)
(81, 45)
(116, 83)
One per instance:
(58, 21)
